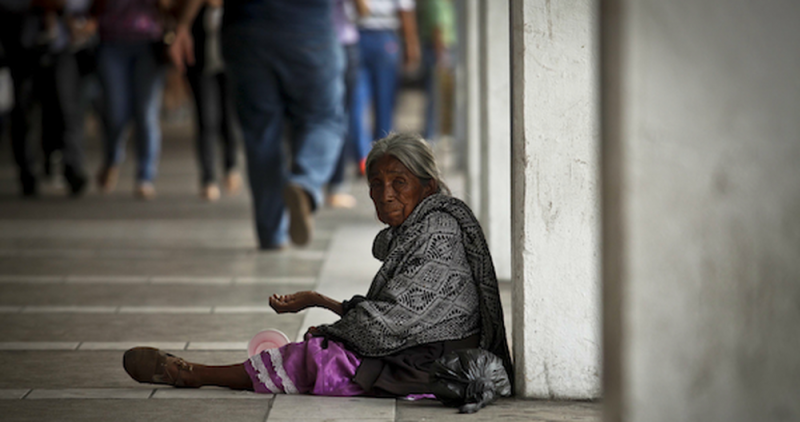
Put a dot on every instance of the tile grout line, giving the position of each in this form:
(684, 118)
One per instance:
(127, 393)
(126, 310)
(269, 407)
(71, 279)
(93, 346)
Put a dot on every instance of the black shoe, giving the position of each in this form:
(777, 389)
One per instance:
(77, 181)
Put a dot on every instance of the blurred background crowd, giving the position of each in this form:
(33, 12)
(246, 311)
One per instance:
(69, 65)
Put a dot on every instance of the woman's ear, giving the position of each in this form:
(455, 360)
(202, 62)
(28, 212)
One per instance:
(430, 188)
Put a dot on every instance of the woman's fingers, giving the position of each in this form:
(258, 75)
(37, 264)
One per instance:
(277, 303)
(292, 302)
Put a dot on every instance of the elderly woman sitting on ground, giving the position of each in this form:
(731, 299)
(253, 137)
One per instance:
(435, 292)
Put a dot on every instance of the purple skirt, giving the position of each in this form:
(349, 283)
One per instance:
(305, 368)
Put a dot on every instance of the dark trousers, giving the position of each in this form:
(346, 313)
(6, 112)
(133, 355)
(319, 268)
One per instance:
(216, 121)
(289, 76)
(54, 82)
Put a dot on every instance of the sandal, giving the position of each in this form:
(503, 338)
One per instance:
(149, 365)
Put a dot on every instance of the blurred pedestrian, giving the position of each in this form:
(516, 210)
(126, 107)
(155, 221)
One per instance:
(286, 69)
(216, 114)
(345, 14)
(380, 48)
(436, 20)
(131, 67)
(44, 70)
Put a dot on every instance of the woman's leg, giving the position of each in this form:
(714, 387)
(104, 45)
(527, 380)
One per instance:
(153, 366)
(230, 376)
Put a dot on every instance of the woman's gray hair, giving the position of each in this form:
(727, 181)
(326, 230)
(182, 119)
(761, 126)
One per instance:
(411, 150)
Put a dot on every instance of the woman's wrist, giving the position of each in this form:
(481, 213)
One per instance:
(328, 303)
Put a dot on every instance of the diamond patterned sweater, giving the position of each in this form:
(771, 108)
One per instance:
(437, 283)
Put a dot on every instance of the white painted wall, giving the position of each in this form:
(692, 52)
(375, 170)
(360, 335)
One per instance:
(702, 210)
(495, 125)
(555, 198)
(471, 74)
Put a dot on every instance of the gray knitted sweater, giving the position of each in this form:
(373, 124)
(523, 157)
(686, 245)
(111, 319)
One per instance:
(437, 283)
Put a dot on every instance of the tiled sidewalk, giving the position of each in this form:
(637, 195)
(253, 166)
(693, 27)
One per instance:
(83, 280)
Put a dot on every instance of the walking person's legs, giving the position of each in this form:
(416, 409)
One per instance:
(148, 85)
(337, 197)
(231, 135)
(208, 119)
(385, 74)
(312, 80)
(114, 71)
(67, 84)
(260, 110)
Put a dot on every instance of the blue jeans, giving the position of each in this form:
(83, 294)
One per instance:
(293, 77)
(380, 58)
(133, 84)
(431, 82)
(349, 151)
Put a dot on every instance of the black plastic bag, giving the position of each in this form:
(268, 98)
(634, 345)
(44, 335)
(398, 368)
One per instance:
(469, 379)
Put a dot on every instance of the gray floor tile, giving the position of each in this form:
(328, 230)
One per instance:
(513, 410)
(71, 329)
(345, 419)
(20, 294)
(242, 310)
(70, 309)
(10, 309)
(165, 309)
(107, 279)
(87, 368)
(39, 345)
(217, 345)
(125, 345)
(206, 393)
(314, 408)
(299, 281)
(160, 264)
(191, 280)
(31, 279)
(212, 410)
(13, 393)
(89, 393)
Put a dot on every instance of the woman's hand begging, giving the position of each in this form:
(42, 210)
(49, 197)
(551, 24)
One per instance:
(294, 302)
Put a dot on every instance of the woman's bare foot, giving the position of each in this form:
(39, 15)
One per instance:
(154, 366)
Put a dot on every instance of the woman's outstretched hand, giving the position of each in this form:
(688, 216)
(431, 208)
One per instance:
(294, 302)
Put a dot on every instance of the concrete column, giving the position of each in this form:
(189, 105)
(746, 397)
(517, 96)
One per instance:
(701, 210)
(495, 125)
(554, 204)
(471, 60)
(460, 95)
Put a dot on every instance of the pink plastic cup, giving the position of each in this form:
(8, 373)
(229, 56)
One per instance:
(267, 339)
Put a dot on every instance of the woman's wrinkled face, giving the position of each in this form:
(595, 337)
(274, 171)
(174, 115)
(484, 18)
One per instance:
(394, 190)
